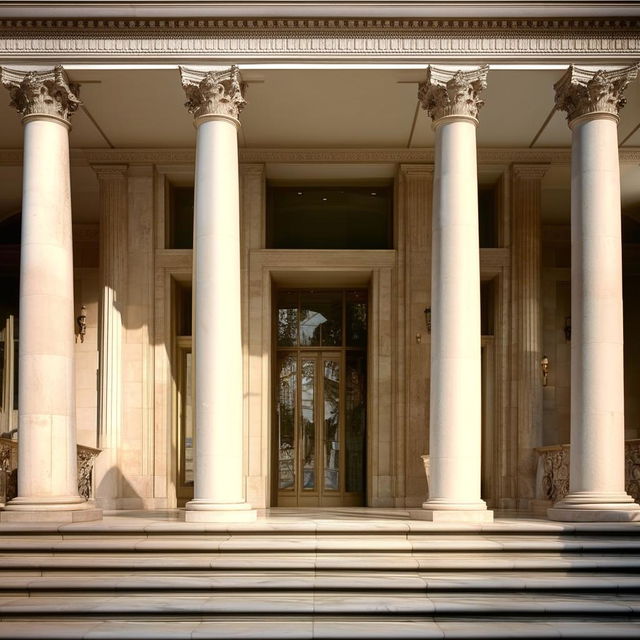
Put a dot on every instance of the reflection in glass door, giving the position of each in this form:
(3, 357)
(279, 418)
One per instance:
(185, 443)
(320, 403)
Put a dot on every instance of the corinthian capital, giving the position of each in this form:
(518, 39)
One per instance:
(580, 91)
(452, 93)
(42, 93)
(213, 92)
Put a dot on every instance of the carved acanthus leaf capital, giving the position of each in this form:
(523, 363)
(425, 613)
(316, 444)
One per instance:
(452, 93)
(42, 93)
(213, 92)
(580, 91)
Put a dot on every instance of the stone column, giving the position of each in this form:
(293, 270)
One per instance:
(215, 100)
(47, 467)
(592, 101)
(527, 311)
(112, 180)
(451, 98)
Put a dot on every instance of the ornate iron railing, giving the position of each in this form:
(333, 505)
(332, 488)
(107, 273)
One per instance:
(9, 469)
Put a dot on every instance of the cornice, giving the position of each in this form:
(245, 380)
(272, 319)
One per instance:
(176, 157)
(318, 8)
(245, 40)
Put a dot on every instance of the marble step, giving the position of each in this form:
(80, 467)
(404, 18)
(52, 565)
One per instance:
(150, 582)
(322, 604)
(311, 527)
(275, 563)
(325, 544)
(307, 627)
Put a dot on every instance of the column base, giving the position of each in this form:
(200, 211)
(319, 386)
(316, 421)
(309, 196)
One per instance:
(63, 510)
(587, 506)
(205, 511)
(441, 511)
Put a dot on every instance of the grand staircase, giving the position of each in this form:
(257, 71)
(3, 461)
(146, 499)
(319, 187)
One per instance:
(338, 574)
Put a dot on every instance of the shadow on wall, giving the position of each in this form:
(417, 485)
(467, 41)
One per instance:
(114, 491)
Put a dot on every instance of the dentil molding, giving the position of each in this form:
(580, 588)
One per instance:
(245, 40)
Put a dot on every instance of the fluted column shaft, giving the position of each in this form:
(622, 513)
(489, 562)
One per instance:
(455, 408)
(215, 101)
(526, 295)
(47, 467)
(112, 180)
(596, 488)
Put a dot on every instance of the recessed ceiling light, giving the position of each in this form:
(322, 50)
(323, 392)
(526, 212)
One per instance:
(324, 199)
(373, 193)
(299, 193)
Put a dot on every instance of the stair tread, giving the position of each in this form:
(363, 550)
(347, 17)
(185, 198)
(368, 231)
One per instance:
(294, 602)
(306, 628)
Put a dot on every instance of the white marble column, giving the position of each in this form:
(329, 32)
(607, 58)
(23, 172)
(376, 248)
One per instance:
(215, 100)
(47, 468)
(596, 485)
(451, 98)
(112, 180)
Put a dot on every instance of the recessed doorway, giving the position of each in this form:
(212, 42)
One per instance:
(320, 403)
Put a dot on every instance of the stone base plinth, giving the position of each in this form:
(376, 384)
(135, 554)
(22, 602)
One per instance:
(202, 512)
(62, 516)
(623, 514)
(444, 515)
(594, 506)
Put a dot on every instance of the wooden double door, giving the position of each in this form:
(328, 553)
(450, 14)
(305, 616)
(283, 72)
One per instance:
(320, 410)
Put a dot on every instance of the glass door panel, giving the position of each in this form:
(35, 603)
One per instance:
(286, 414)
(355, 420)
(308, 422)
(185, 443)
(331, 413)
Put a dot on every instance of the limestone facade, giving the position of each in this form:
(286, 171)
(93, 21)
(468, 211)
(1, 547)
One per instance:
(457, 329)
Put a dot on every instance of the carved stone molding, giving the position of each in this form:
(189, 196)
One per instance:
(262, 39)
(41, 93)
(176, 157)
(110, 171)
(529, 171)
(580, 92)
(213, 93)
(452, 93)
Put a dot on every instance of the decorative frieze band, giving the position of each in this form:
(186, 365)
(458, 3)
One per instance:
(262, 40)
(80, 157)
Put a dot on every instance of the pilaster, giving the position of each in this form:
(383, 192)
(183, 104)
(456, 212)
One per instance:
(527, 317)
(112, 181)
(413, 291)
(256, 432)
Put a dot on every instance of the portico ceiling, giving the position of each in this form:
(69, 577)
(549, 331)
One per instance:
(317, 108)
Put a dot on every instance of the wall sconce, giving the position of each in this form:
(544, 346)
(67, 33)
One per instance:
(567, 328)
(427, 318)
(544, 365)
(81, 320)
